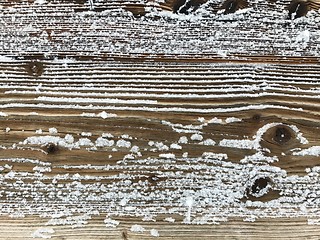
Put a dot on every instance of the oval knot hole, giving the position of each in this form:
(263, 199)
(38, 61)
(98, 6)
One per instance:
(282, 135)
(259, 184)
(261, 189)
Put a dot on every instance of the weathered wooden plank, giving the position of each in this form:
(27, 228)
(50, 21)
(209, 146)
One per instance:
(196, 149)
(121, 120)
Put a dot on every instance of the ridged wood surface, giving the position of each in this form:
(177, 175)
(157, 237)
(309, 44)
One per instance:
(122, 120)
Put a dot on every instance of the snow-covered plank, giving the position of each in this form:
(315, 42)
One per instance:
(130, 120)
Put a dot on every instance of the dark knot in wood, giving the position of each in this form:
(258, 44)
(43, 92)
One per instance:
(51, 148)
(260, 184)
(35, 69)
(186, 6)
(298, 8)
(261, 189)
(282, 135)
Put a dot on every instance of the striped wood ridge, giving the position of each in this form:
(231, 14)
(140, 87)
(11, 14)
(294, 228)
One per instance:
(129, 122)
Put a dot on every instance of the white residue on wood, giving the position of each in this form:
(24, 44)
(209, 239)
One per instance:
(154, 233)
(43, 233)
(137, 228)
(312, 151)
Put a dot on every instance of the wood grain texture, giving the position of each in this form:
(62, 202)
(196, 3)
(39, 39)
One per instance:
(121, 120)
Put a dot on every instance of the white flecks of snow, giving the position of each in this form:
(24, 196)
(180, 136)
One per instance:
(73, 221)
(33, 113)
(23, 160)
(302, 139)
(303, 38)
(42, 140)
(183, 140)
(123, 202)
(189, 203)
(2, 114)
(39, 131)
(135, 149)
(10, 175)
(169, 219)
(137, 228)
(259, 157)
(148, 218)
(129, 157)
(53, 130)
(175, 146)
(196, 137)
(105, 115)
(232, 120)
(208, 142)
(87, 114)
(161, 146)
(123, 143)
(215, 120)
(9, 166)
(167, 155)
(38, 87)
(93, 100)
(201, 119)
(154, 233)
(251, 218)
(126, 136)
(211, 155)
(180, 128)
(107, 135)
(111, 223)
(41, 169)
(8, 129)
(314, 221)
(43, 233)
(233, 143)
(312, 151)
(86, 134)
(6, 59)
(185, 154)
(222, 53)
(85, 142)
(40, 2)
(69, 139)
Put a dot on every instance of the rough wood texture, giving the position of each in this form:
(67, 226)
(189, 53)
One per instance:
(121, 120)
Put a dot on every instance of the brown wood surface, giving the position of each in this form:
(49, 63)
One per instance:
(109, 121)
